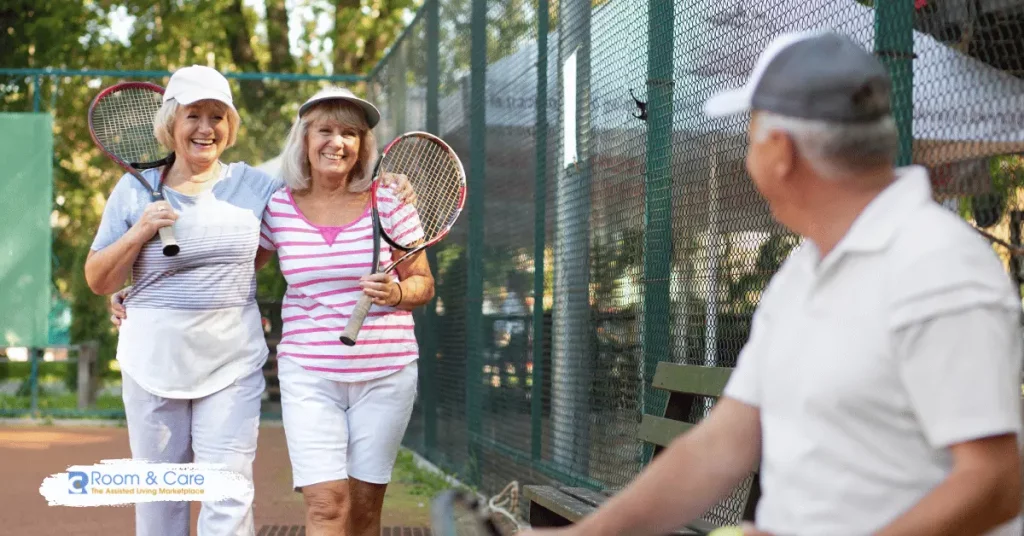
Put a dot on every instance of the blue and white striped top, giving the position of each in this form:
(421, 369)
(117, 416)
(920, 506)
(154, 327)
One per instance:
(193, 326)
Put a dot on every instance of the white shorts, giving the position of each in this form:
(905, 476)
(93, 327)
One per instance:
(336, 429)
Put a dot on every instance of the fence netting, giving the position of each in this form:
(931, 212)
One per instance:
(612, 226)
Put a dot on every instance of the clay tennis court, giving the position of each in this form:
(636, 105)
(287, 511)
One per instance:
(28, 454)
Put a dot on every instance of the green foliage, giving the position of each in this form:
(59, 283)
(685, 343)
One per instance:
(166, 35)
(745, 288)
(62, 402)
(1007, 178)
(424, 482)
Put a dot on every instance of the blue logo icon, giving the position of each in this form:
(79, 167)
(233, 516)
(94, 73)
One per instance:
(77, 482)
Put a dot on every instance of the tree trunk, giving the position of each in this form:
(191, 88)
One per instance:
(347, 14)
(381, 40)
(240, 37)
(281, 60)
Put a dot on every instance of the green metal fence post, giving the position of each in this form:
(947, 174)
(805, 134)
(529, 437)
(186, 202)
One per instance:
(429, 343)
(33, 378)
(474, 250)
(657, 196)
(894, 44)
(397, 73)
(540, 198)
(36, 87)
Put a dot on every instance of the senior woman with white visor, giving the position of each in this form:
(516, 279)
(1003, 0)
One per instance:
(345, 409)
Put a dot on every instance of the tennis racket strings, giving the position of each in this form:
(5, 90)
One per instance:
(123, 124)
(437, 180)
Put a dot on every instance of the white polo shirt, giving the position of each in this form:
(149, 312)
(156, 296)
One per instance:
(867, 364)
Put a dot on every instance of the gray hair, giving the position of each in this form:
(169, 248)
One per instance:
(163, 123)
(836, 149)
(295, 168)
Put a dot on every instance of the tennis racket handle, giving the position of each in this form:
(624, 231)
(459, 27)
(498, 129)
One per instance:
(351, 333)
(170, 244)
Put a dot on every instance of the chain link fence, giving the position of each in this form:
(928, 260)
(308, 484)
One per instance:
(611, 225)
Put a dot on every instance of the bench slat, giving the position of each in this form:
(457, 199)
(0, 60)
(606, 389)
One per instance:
(558, 502)
(551, 497)
(661, 431)
(585, 495)
(691, 379)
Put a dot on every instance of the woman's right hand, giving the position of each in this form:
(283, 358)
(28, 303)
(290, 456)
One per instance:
(155, 216)
(117, 310)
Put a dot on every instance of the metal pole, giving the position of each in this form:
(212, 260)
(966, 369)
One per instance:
(397, 94)
(658, 191)
(429, 347)
(35, 94)
(714, 248)
(475, 202)
(33, 378)
(539, 211)
(657, 201)
(894, 44)
(572, 355)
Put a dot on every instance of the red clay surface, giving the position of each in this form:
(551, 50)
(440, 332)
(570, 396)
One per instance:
(28, 454)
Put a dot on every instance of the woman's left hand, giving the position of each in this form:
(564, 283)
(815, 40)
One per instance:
(401, 185)
(382, 288)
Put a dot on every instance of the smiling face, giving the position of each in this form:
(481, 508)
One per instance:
(201, 132)
(334, 141)
(332, 148)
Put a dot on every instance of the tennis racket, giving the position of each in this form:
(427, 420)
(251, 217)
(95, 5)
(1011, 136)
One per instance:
(436, 175)
(458, 513)
(121, 125)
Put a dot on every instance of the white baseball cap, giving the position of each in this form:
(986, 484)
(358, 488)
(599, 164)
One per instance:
(340, 93)
(196, 83)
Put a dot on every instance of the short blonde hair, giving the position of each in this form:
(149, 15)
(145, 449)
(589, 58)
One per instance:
(295, 168)
(163, 123)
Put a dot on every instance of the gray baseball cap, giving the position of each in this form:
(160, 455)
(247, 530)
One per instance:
(812, 75)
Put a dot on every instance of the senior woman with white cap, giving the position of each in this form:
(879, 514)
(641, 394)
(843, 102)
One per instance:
(192, 348)
(345, 409)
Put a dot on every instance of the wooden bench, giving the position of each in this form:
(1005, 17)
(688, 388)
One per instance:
(688, 386)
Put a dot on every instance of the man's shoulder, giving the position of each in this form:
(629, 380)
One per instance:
(938, 263)
(935, 239)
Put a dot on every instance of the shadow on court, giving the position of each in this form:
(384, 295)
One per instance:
(28, 454)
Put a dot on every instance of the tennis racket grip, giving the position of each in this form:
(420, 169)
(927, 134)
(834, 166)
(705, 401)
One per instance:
(170, 243)
(351, 333)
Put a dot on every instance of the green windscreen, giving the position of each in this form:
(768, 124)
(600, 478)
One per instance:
(26, 191)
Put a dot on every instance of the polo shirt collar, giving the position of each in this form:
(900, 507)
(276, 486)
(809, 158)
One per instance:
(878, 222)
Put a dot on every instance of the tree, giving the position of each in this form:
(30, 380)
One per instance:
(166, 35)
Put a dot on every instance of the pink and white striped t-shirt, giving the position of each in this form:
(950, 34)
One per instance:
(322, 266)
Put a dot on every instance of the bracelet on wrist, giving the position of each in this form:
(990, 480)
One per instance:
(401, 295)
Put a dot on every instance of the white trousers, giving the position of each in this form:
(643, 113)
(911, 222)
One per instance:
(220, 428)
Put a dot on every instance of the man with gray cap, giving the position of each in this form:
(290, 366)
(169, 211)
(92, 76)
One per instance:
(879, 387)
